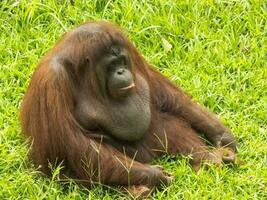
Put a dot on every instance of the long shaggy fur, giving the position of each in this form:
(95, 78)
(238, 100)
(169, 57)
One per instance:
(47, 116)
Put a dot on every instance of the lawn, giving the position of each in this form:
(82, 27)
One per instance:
(215, 50)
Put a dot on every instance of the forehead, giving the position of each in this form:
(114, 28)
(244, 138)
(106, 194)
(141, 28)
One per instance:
(102, 36)
(90, 28)
(113, 53)
(94, 40)
(101, 32)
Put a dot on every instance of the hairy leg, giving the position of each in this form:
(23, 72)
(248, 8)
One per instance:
(109, 166)
(170, 98)
(178, 137)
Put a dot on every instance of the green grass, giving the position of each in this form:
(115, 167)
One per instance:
(215, 50)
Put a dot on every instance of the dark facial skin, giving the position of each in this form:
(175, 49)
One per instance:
(125, 114)
(114, 72)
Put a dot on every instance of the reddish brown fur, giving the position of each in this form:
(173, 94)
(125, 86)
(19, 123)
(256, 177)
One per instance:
(47, 119)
